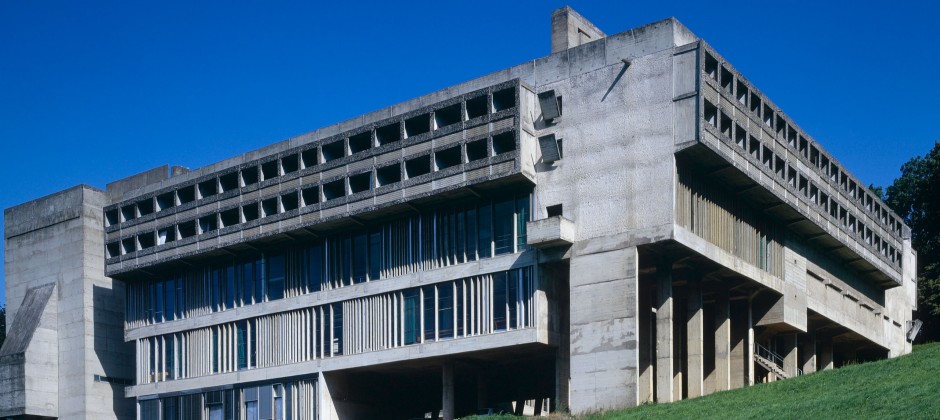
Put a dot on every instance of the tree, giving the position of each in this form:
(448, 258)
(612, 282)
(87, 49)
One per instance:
(915, 196)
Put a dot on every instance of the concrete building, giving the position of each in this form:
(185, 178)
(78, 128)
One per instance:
(625, 220)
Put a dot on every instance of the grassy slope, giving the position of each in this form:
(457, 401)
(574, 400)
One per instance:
(906, 387)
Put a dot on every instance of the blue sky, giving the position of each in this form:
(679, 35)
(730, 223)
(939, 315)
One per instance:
(91, 92)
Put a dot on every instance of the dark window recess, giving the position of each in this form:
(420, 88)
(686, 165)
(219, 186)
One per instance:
(250, 175)
(360, 182)
(740, 136)
(208, 223)
(710, 113)
(334, 189)
(114, 249)
(755, 103)
(447, 116)
(754, 148)
(727, 80)
(269, 207)
(229, 181)
(791, 176)
(311, 196)
(503, 143)
(250, 211)
(553, 211)
(780, 167)
(781, 127)
(165, 236)
(111, 217)
(269, 170)
(207, 188)
(290, 201)
(476, 150)
(476, 107)
(725, 125)
(309, 157)
(187, 229)
(711, 67)
(768, 116)
(387, 134)
(165, 201)
(419, 124)
(128, 213)
(388, 175)
(504, 99)
(418, 166)
(333, 151)
(186, 194)
(290, 164)
(742, 93)
(145, 207)
(360, 142)
(446, 158)
(768, 158)
(229, 217)
(128, 245)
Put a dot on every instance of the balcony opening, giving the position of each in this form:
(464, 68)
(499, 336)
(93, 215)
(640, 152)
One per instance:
(335, 189)
(310, 196)
(725, 125)
(229, 182)
(111, 217)
(269, 170)
(290, 201)
(360, 182)
(113, 249)
(791, 176)
(781, 169)
(290, 164)
(814, 155)
(309, 158)
(269, 207)
(229, 217)
(446, 158)
(804, 147)
(207, 188)
(711, 67)
(781, 127)
(128, 212)
(387, 134)
(388, 175)
(146, 240)
(791, 136)
(446, 116)
(755, 103)
(504, 99)
(145, 207)
(128, 245)
(754, 148)
(503, 143)
(768, 158)
(742, 93)
(166, 235)
(740, 137)
(418, 166)
(360, 142)
(208, 223)
(476, 150)
(710, 113)
(768, 116)
(476, 107)
(250, 212)
(727, 81)
(166, 200)
(804, 186)
(187, 229)
(417, 125)
(250, 176)
(333, 151)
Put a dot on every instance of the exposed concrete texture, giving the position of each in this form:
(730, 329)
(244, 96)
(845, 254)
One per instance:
(695, 338)
(29, 358)
(722, 342)
(665, 348)
(569, 29)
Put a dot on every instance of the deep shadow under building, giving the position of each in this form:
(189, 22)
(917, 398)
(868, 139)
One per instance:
(623, 221)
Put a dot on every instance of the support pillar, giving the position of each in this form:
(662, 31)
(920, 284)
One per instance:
(448, 391)
(664, 334)
(695, 362)
(808, 351)
(647, 344)
(825, 355)
(722, 341)
(790, 355)
(750, 341)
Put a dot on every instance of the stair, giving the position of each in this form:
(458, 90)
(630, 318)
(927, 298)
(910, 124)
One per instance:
(770, 361)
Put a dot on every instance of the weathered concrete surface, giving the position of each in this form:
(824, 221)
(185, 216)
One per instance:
(29, 358)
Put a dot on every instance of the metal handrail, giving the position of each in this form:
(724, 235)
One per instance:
(769, 355)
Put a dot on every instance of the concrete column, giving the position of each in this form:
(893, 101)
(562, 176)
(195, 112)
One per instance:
(750, 342)
(808, 350)
(722, 341)
(695, 351)
(448, 391)
(664, 334)
(647, 344)
(790, 355)
(825, 354)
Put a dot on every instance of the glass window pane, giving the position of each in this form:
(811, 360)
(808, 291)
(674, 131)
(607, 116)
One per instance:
(169, 313)
(486, 233)
(429, 315)
(360, 263)
(499, 300)
(522, 216)
(230, 286)
(375, 255)
(275, 276)
(412, 316)
(445, 310)
(315, 267)
(503, 227)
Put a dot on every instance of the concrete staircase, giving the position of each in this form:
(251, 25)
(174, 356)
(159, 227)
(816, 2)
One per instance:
(770, 361)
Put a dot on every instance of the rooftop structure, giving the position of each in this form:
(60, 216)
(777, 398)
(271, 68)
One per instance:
(626, 220)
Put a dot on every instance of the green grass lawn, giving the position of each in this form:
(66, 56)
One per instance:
(906, 387)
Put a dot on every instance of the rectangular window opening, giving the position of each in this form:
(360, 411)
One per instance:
(447, 116)
(504, 99)
(229, 182)
(710, 113)
(334, 189)
(768, 116)
(754, 148)
(742, 93)
(250, 176)
(290, 164)
(111, 217)
(446, 158)
(726, 125)
(269, 207)
(230, 217)
(727, 80)
(360, 182)
(250, 211)
(388, 175)
(145, 207)
(333, 151)
(476, 107)
(476, 150)
(711, 67)
(503, 143)
(128, 245)
(418, 166)
(309, 158)
(269, 170)
(186, 194)
(417, 125)
(207, 188)
(740, 137)
(360, 142)
(755, 103)
(310, 196)
(187, 229)
(146, 240)
(290, 201)
(128, 213)
(208, 223)
(113, 249)
(388, 134)
(553, 211)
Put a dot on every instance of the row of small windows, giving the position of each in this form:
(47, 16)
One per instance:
(347, 146)
(796, 141)
(433, 239)
(749, 145)
(353, 184)
(280, 401)
(454, 309)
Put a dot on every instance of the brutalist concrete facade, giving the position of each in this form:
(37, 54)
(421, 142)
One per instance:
(626, 220)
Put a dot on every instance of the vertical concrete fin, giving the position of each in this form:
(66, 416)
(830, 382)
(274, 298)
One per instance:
(570, 29)
(29, 358)
(27, 319)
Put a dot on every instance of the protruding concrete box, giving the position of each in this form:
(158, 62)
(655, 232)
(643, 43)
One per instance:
(550, 232)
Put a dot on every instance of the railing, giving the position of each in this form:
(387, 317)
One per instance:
(769, 355)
